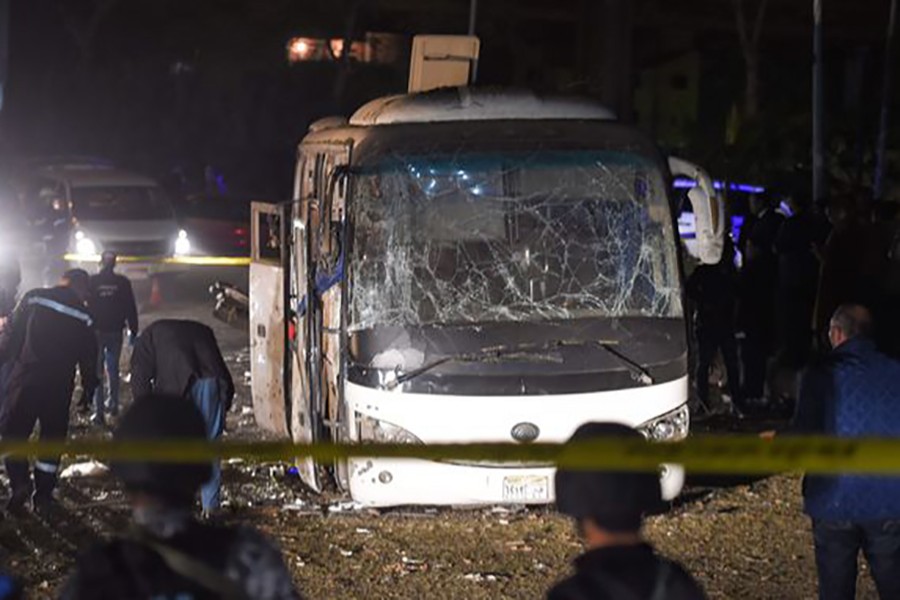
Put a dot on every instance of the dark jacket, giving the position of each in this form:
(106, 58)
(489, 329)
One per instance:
(129, 569)
(713, 290)
(851, 393)
(171, 355)
(626, 573)
(112, 303)
(49, 335)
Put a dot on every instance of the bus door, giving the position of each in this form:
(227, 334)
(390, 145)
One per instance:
(323, 189)
(267, 317)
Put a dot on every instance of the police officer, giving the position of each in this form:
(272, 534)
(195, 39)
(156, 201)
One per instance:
(608, 508)
(170, 554)
(113, 308)
(50, 333)
(182, 359)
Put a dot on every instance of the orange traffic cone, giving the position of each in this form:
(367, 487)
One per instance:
(156, 297)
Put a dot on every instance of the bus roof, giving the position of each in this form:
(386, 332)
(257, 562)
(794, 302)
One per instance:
(474, 104)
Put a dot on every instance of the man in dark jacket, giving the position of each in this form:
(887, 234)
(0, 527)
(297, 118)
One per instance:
(713, 290)
(182, 359)
(113, 308)
(758, 282)
(608, 508)
(170, 554)
(853, 393)
(50, 334)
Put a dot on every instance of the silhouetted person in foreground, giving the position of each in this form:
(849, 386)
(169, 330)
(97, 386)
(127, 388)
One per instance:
(608, 508)
(169, 554)
(853, 392)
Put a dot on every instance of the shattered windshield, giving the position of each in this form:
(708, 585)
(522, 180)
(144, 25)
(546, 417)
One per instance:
(477, 238)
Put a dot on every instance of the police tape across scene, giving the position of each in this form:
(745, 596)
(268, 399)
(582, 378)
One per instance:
(203, 261)
(702, 454)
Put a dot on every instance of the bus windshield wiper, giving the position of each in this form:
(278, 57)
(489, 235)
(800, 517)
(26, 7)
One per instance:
(638, 372)
(483, 355)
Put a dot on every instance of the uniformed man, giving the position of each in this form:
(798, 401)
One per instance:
(182, 359)
(113, 308)
(49, 335)
(608, 508)
(170, 554)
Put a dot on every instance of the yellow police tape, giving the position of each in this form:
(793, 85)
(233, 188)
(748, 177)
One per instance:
(702, 454)
(205, 261)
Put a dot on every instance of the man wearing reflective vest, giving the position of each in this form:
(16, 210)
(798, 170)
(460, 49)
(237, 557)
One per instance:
(49, 335)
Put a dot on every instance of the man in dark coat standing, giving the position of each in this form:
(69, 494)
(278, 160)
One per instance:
(853, 393)
(182, 359)
(113, 308)
(49, 335)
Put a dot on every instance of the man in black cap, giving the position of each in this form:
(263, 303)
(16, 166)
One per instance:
(181, 358)
(170, 554)
(113, 308)
(608, 508)
(49, 335)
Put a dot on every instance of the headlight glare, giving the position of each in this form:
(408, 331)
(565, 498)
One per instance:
(670, 427)
(382, 432)
(182, 244)
(84, 246)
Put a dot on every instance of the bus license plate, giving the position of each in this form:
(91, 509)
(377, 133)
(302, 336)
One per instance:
(526, 488)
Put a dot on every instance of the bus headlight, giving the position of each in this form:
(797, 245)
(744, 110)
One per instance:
(182, 244)
(382, 432)
(84, 246)
(670, 427)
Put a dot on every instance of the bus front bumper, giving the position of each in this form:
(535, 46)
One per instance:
(391, 482)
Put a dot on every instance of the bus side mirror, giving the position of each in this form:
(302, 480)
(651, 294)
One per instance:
(709, 210)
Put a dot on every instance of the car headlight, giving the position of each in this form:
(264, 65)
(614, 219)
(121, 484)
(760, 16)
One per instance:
(182, 244)
(382, 432)
(670, 427)
(84, 246)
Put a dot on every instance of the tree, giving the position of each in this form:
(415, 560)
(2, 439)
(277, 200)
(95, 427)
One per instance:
(750, 49)
(83, 21)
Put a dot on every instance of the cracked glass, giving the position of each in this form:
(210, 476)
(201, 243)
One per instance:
(481, 238)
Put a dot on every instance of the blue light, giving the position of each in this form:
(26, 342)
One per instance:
(686, 184)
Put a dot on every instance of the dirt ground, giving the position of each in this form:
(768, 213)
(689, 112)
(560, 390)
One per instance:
(741, 540)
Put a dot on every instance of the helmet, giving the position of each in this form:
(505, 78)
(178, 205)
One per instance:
(162, 418)
(614, 500)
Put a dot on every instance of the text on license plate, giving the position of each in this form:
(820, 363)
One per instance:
(526, 488)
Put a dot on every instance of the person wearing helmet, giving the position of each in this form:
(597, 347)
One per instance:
(170, 554)
(49, 335)
(608, 508)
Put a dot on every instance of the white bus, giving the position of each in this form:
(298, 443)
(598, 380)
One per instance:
(471, 266)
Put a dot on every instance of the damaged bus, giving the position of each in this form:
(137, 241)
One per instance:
(472, 266)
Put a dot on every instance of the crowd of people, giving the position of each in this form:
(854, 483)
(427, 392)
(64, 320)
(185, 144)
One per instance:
(817, 302)
(770, 317)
